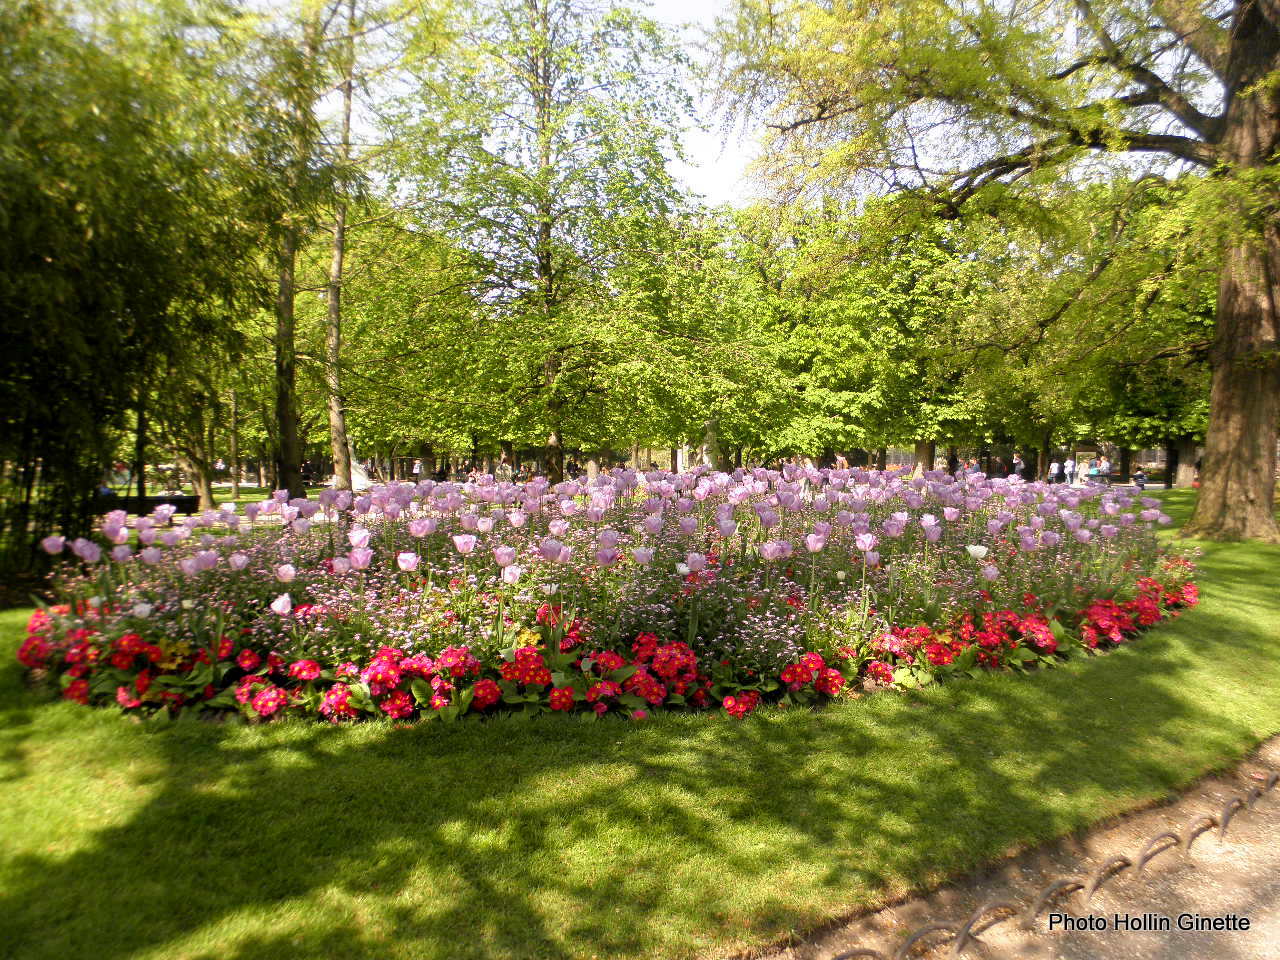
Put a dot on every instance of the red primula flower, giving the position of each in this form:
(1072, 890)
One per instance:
(269, 701)
(336, 703)
(487, 693)
(397, 706)
(742, 704)
(248, 661)
(562, 698)
(127, 700)
(829, 682)
(304, 670)
(77, 690)
(880, 672)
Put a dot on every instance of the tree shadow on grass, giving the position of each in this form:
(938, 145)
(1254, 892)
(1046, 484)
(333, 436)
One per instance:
(682, 837)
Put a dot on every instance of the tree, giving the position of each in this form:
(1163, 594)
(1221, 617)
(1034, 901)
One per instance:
(886, 91)
(562, 114)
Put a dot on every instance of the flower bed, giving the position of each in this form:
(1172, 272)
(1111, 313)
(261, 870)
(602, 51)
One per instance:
(623, 594)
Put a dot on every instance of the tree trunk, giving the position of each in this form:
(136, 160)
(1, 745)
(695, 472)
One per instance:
(882, 458)
(1237, 482)
(140, 447)
(338, 441)
(201, 473)
(1043, 455)
(1185, 474)
(288, 450)
(555, 457)
(1126, 464)
(926, 451)
(235, 446)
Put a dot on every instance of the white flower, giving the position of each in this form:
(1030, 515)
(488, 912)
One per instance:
(95, 601)
(142, 610)
(977, 552)
(282, 604)
(840, 575)
(188, 604)
(682, 569)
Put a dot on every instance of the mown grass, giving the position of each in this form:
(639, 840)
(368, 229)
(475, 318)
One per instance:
(678, 837)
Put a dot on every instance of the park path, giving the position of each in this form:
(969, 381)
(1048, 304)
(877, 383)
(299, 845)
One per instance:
(1239, 875)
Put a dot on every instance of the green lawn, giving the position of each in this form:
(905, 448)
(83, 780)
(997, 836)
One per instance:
(680, 837)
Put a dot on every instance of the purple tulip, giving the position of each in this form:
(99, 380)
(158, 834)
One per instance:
(643, 556)
(814, 543)
(188, 566)
(991, 572)
(358, 537)
(608, 538)
(238, 561)
(558, 527)
(207, 559)
(866, 541)
(872, 558)
(653, 524)
(727, 527)
(464, 542)
(55, 545)
(341, 565)
(469, 522)
(1109, 530)
(696, 562)
(511, 574)
(688, 525)
(607, 556)
(1084, 536)
(517, 518)
(286, 572)
(550, 549)
(86, 550)
(121, 553)
(504, 556)
(151, 556)
(360, 558)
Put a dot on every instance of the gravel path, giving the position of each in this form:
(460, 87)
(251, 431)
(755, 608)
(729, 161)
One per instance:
(1236, 879)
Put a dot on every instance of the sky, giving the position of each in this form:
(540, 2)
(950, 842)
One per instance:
(717, 162)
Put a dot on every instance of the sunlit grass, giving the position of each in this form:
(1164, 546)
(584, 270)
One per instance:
(677, 837)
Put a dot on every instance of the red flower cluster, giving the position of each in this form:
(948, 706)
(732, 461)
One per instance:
(529, 668)
(741, 704)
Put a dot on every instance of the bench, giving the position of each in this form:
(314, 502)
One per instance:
(141, 506)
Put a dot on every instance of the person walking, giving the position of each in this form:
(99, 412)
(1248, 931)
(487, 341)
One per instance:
(1104, 470)
(1055, 472)
(1069, 467)
(1018, 467)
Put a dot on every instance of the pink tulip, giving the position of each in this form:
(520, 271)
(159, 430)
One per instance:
(55, 545)
(286, 572)
(407, 561)
(696, 562)
(504, 556)
(360, 558)
(121, 553)
(238, 561)
(151, 556)
(358, 537)
(512, 574)
(464, 542)
(643, 556)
